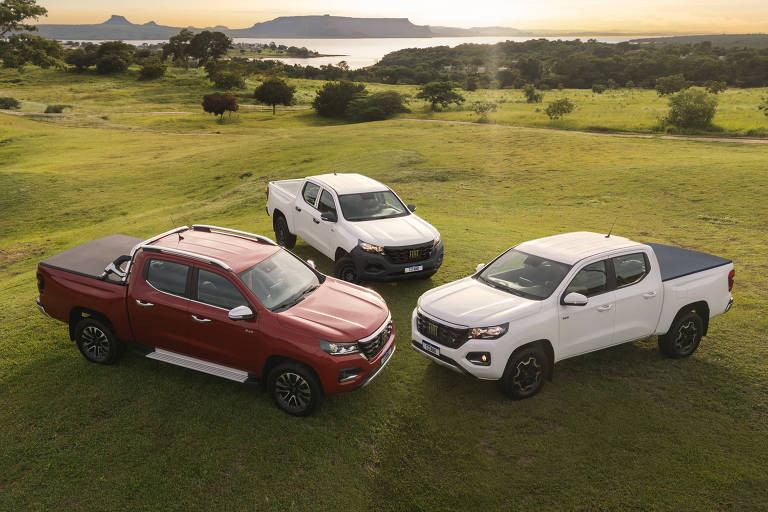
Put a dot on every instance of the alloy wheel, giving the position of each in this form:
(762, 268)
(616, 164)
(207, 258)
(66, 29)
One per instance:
(293, 391)
(686, 337)
(528, 375)
(95, 344)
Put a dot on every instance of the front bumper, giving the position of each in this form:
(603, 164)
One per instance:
(378, 267)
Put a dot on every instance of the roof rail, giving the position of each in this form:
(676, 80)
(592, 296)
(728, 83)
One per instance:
(205, 227)
(179, 252)
(157, 237)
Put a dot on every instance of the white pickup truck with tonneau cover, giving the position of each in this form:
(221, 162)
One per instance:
(561, 296)
(359, 223)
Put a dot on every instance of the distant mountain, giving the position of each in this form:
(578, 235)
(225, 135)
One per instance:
(115, 28)
(722, 40)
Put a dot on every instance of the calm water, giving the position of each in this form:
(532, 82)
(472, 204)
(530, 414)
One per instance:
(359, 53)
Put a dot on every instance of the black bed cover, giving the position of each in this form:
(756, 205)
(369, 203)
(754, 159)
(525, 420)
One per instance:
(676, 262)
(89, 259)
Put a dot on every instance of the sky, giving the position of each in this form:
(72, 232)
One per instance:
(638, 16)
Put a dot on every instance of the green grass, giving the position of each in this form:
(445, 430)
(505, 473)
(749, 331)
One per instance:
(621, 429)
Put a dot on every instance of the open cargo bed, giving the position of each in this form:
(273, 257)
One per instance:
(91, 258)
(676, 262)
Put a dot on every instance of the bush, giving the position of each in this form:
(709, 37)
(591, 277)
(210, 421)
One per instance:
(376, 107)
(558, 108)
(332, 99)
(691, 108)
(531, 96)
(470, 84)
(81, 58)
(219, 104)
(228, 80)
(670, 84)
(598, 88)
(440, 93)
(111, 64)
(7, 103)
(56, 109)
(715, 87)
(151, 68)
(482, 108)
(764, 106)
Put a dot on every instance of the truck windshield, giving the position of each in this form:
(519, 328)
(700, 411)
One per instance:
(280, 281)
(371, 206)
(524, 274)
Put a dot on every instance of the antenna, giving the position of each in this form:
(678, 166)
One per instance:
(610, 230)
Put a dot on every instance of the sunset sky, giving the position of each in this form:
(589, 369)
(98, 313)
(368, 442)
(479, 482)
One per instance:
(679, 16)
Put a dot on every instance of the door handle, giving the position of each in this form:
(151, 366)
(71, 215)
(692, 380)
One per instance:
(604, 307)
(315, 220)
(649, 295)
(201, 319)
(298, 209)
(144, 304)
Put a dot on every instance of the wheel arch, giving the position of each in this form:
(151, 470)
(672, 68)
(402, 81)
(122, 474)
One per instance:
(340, 253)
(276, 214)
(78, 312)
(701, 308)
(546, 346)
(275, 360)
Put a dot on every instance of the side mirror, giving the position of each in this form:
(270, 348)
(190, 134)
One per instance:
(479, 267)
(311, 263)
(241, 313)
(412, 207)
(575, 299)
(329, 217)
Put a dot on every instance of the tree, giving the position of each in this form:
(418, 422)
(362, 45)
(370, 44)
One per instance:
(692, 108)
(483, 108)
(598, 88)
(670, 84)
(22, 49)
(273, 91)
(8, 103)
(558, 108)
(114, 57)
(218, 104)
(209, 45)
(81, 58)
(531, 96)
(13, 13)
(332, 99)
(715, 86)
(177, 47)
(151, 68)
(440, 93)
(376, 107)
(764, 106)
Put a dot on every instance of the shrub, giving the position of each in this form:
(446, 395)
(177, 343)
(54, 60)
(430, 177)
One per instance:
(764, 106)
(598, 88)
(470, 84)
(482, 108)
(691, 108)
(558, 108)
(612, 84)
(218, 104)
(715, 87)
(531, 96)
(440, 93)
(228, 80)
(376, 107)
(630, 84)
(56, 109)
(151, 68)
(332, 99)
(7, 103)
(273, 91)
(81, 58)
(111, 64)
(670, 84)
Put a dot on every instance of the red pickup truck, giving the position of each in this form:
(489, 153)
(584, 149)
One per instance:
(224, 302)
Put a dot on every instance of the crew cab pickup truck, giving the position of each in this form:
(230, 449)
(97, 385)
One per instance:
(223, 302)
(359, 223)
(561, 296)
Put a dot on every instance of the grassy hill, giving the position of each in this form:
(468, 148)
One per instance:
(621, 429)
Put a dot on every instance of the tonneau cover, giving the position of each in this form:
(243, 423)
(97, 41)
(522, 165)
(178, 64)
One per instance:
(676, 262)
(90, 259)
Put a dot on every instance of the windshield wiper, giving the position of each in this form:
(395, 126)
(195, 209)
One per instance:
(501, 287)
(289, 303)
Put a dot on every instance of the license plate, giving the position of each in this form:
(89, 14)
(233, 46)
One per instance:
(386, 356)
(428, 347)
(413, 268)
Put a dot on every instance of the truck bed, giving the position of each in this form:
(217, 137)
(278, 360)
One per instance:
(289, 187)
(676, 262)
(89, 259)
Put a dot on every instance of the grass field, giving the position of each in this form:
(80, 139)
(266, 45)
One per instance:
(621, 429)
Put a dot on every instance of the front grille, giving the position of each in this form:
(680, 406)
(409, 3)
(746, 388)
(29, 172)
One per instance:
(441, 333)
(373, 346)
(409, 254)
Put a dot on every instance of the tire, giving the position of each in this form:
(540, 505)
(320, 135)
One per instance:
(283, 235)
(346, 270)
(294, 389)
(97, 342)
(525, 373)
(683, 337)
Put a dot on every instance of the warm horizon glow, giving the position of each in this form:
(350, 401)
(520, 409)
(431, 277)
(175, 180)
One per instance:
(651, 16)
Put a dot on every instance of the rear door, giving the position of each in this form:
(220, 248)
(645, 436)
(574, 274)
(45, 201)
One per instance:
(325, 230)
(638, 297)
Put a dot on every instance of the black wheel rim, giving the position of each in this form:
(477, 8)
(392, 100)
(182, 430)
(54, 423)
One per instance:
(95, 344)
(280, 233)
(528, 373)
(293, 391)
(687, 336)
(348, 273)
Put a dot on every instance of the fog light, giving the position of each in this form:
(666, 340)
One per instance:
(348, 374)
(479, 358)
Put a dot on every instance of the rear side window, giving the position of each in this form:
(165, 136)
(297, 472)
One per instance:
(326, 203)
(590, 280)
(630, 269)
(216, 290)
(168, 276)
(310, 193)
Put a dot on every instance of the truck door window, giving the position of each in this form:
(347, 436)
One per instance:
(630, 269)
(310, 193)
(590, 280)
(216, 290)
(326, 203)
(167, 276)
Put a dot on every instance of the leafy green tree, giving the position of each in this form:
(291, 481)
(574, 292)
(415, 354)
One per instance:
(715, 86)
(219, 104)
(13, 13)
(692, 108)
(764, 106)
(273, 91)
(440, 93)
(21, 49)
(483, 108)
(151, 68)
(531, 96)
(376, 107)
(177, 47)
(81, 58)
(332, 99)
(666, 85)
(598, 88)
(209, 45)
(114, 57)
(559, 108)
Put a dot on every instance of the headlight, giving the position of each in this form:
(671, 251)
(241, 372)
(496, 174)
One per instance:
(371, 248)
(339, 349)
(436, 241)
(489, 333)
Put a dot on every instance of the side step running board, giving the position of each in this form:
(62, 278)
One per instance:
(199, 365)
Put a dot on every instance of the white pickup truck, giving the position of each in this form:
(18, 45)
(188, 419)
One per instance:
(561, 296)
(359, 223)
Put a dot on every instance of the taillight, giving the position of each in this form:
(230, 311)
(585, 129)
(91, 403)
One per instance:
(730, 279)
(267, 191)
(40, 282)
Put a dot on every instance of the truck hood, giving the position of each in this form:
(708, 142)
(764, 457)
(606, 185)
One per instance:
(395, 232)
(338, 311)
(471, 303)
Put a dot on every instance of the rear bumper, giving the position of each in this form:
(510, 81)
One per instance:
(41, 308)
(378, 267)
(728, 307)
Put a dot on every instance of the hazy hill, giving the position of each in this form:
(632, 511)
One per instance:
(116, 27)
(721, 40)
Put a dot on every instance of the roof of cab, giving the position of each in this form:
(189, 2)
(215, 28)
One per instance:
(570, 248)
(351, 183)
(239, 252)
